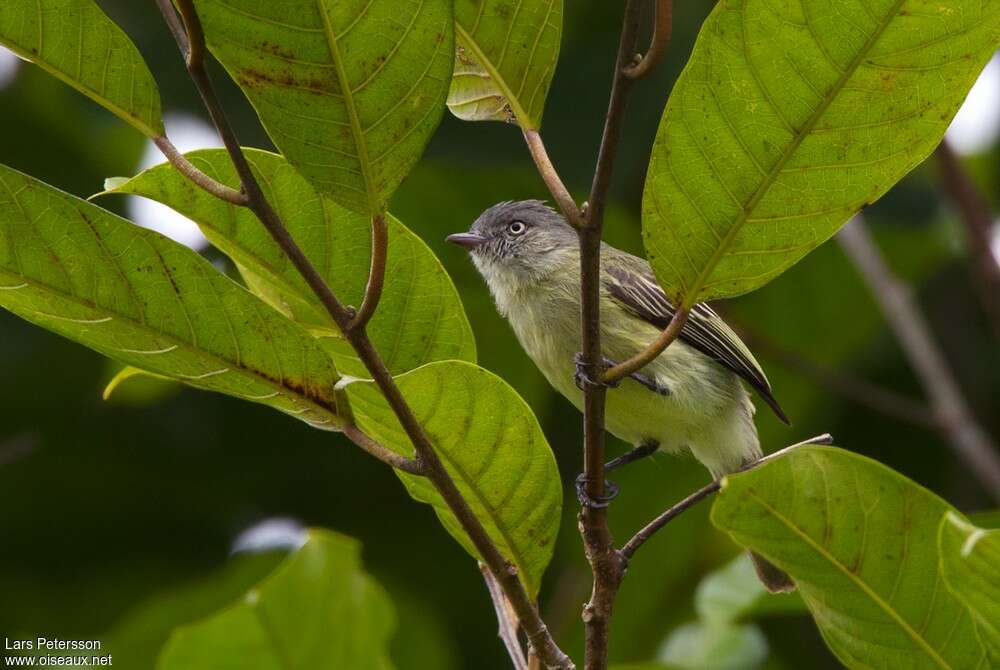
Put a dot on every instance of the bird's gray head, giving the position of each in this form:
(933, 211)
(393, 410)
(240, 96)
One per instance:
(516, 244)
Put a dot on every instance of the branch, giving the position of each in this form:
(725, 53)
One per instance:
(382, 453)
(655, 348)
(551, 178)
(854, 389)
(506, 620)
(606, 562)
(432, 467)
(978, 219)
(376, 274)
(186, 168)
(662, 28)
(673, 512)
(963, 433)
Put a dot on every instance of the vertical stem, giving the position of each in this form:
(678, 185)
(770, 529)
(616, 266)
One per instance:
(606, 562)
(960, 428)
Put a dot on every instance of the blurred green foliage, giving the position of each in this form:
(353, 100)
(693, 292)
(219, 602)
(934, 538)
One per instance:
(110, 509)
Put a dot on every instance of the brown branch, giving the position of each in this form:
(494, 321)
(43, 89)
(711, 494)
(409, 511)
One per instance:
(506, 620)
(960, 428)
(854, 389)
(432, 466)
(662, 28)
(376, 273)
(199, 178)
(978, 219)
(606, 562)
(687, 503)
(382, 453)
(647, 355)
(552, 180)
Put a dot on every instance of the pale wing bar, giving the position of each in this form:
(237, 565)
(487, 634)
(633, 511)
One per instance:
(704, 330)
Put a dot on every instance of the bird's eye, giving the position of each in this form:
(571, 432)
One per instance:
(516, 228)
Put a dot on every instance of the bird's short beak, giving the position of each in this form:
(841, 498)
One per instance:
(468, 240)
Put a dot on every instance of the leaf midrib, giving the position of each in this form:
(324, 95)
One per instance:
(374, 206)
(692, 294)
(867, 590)
(468, 42)
(180, 344)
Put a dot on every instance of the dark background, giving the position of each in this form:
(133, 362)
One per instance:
(111, 511)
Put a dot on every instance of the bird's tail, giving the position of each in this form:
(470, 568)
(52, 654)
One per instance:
(771, 576)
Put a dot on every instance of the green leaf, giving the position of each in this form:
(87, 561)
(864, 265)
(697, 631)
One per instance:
(860, 540)
(492, 446)
(715, 646)
(350, 91)
(76, 42)
(318, 610)
(505, 56)
(420, 317)
(970, 562)
(789, 117)
(137, 297)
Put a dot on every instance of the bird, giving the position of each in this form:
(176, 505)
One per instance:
(691, 397)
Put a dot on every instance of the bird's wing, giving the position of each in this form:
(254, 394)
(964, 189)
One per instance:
(638, 292)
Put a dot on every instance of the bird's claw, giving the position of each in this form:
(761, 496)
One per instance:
(598, 502)
(582, 375)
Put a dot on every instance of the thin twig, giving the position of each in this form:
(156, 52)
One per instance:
(433, 468)
(853, 389)
(551, 178)
(687, 503)
(507, 623)
(376, 273)
(978, 219)
(383, 453)
(647, 355)
(960, 428)
(199, 178)
(662, 28)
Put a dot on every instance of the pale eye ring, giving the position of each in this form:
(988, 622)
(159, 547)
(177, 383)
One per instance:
(516, 228)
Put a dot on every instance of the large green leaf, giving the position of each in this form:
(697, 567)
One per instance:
(970, 562)
(318, 610)
(790, 116)
(492, 446)
(349, 90)
(140, 298)
(420, 317)
(505, 56)
(860, 540)
(75, 41)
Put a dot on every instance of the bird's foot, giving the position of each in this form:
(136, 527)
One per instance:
(583, 376)
(597, 502)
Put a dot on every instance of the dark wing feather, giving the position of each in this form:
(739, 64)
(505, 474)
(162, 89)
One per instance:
(704, 330)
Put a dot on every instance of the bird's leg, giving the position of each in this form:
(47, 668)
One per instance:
(583, 377)
(642, 451)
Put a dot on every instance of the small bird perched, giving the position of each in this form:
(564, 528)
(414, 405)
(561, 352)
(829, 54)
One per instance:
(690, 397)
